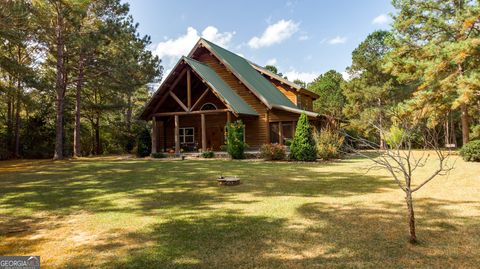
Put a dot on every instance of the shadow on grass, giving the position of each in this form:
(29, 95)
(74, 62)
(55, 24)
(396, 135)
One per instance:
(336, 237)
(101, 186)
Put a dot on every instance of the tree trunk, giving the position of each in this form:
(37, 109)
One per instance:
(17, 122)
(77, 149)
(97, 135)
(411, 217)
(465, 124)
(128, 116)
(60, 89)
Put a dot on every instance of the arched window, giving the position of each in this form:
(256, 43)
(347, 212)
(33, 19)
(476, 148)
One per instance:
(208, 106)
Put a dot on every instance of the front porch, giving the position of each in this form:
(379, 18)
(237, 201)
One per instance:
(189, 131)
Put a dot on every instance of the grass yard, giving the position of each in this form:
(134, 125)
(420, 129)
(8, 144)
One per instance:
(111, 213)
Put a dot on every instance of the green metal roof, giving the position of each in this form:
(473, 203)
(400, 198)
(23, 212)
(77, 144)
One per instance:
(229, 96)
(258, 84)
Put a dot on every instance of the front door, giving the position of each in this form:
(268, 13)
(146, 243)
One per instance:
(214, 137)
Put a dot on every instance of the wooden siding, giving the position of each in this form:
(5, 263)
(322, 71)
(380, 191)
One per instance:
(256, 127)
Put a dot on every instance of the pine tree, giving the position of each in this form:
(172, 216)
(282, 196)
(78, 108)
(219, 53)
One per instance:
(303, 146)
(436, 45)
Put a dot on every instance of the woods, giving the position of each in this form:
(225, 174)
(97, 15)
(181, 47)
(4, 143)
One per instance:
(425, 70)
(72, 76)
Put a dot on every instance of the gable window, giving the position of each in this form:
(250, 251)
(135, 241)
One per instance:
(208, 106)
(187, 135)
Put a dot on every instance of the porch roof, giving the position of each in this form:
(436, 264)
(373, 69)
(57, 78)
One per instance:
(228, 96)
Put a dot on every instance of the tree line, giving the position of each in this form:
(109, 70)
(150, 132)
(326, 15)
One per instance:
(72, 76)
(426, 70)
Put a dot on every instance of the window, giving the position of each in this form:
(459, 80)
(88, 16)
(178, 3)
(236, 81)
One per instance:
(187, 135)
(208, 106)
(287, 132)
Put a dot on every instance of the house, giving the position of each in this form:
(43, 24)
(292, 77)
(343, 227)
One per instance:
(212, 86)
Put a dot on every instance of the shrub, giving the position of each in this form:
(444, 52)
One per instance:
(272, 152)
(158, 155)
(395, 136)
(329, 144)
(144, 146)
(471, 151)
(235, 144)
(288, 142)
(303, 146)
(208, 154)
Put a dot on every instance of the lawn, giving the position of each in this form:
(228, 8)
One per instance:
(130, 213)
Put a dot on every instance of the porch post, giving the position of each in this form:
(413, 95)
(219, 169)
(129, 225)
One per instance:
(154, 135)
(267, 124)
(280, 133)
(204, 134)
(294, 126)
(177, 135)
(229, 117)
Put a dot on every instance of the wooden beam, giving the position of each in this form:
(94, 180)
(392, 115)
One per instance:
(189, 90)
(229, 116)
(217, 111)
(177, 135)
(154, 135)
(200, 99)
(280, 133)
(174, 96)
(204, 133)
(160, 102)
(177, 79)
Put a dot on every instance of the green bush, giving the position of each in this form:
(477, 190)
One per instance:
(208, 154)
(158, 155)
(235, 144)
(329, 144)
(471, 151)
(303, 146)
(395, 136)
(144, 143)
(288, 142)
(272, 152)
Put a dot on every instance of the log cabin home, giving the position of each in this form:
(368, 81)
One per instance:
(213, 86)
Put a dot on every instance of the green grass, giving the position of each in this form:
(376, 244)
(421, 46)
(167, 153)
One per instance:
(112, 213)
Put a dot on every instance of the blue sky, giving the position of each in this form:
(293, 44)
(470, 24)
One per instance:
(302, 38)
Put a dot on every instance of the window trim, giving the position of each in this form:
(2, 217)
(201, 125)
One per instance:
(183, 136)
(208, 103)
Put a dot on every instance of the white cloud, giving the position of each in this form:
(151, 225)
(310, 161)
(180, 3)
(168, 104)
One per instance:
(303, 76)
(337, 40)
(346, 75)
(170, 50)
(381, 19)
(274, 34)
(272, 61)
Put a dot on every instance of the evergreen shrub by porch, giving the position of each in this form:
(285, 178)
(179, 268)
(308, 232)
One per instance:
(235, 144)
(159, 155)
(144, 143)
(208, 154)
(471, 151)
(303, 146)
(329, 144)
(272, 152)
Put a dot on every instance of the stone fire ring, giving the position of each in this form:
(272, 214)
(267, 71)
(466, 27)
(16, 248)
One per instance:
(229, 181)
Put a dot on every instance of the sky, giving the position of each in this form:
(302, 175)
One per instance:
(303, 39)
